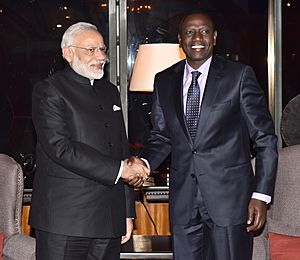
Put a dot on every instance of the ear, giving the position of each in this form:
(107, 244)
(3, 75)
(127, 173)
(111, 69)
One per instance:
(67, 54)
(179, 40)
(215, 37)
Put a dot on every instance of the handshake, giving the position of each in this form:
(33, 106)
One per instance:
(135, 171)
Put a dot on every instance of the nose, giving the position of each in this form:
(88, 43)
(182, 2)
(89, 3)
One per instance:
(197, 35)
(100, 54)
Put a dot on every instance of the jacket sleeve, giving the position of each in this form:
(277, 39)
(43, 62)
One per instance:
(158, 146)
(261, 130)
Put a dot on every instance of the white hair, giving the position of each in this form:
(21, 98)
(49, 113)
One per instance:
(73, 30)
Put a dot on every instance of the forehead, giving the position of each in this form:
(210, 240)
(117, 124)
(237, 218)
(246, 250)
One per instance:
(197, 20)
(89, 37)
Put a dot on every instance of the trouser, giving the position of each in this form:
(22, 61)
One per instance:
(50, 246)
(201, 239)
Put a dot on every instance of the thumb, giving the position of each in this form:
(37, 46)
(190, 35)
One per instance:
(250, 215)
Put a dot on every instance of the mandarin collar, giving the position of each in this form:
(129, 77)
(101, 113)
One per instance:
(76, 77)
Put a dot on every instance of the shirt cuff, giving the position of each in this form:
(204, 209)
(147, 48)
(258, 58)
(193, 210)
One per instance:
(146, 162)
(120, 172)
(263, 197)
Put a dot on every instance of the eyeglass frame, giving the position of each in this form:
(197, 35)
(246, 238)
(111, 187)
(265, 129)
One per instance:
(92, 50)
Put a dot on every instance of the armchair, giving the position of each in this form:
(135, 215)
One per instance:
(284, 214)
(280, 238)
(16, 246)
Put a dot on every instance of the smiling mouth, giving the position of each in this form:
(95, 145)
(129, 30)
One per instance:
(98, 66)
(198, 47)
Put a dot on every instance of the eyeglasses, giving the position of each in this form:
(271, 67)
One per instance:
(92, 50)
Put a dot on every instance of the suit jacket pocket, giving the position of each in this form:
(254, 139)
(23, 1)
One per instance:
(240, 170)
(221, 106)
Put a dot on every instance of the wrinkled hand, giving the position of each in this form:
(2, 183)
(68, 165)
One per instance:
(129, 229)
(135, 172)
(137, 181)
(257, 213)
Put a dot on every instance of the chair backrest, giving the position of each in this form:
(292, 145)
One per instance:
(11, 194)
(284, 213)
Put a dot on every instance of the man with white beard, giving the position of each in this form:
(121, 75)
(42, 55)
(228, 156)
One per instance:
(82, 205)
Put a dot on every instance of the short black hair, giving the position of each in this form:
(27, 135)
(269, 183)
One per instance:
(185, 16)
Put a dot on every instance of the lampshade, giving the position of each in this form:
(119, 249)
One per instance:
(152, 58)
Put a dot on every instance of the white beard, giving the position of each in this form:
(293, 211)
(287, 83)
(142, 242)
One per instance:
(84, 69)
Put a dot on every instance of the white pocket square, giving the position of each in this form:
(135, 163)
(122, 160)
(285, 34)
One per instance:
(116, 108)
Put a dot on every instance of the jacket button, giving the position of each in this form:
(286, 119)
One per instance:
(101, 107)
(110, 144)
(193, 175)
(106, 124)
(194, 151)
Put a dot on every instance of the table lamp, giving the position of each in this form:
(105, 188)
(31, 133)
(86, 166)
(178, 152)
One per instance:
(150, 59)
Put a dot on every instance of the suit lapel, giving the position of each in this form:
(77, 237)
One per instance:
(178, 98)
(211, 90)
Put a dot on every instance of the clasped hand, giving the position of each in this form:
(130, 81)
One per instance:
(135, 171)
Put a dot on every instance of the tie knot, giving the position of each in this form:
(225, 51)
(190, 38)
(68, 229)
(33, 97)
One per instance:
(195, 75)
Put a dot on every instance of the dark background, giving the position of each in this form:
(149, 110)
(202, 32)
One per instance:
(30, 51)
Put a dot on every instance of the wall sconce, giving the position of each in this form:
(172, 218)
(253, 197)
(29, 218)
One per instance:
(153, 58)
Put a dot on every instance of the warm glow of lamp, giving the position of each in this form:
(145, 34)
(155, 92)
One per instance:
(152, 58)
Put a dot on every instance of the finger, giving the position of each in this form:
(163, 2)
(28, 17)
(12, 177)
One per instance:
(127, 162)
(139, 185)
(250, 219)
(145, 169)
(260, 220)
(251, 228)
(133, 180)
(124, 239)
(136, 160)
(130, 179)
(136, 182)
(257, 220)
(133, 183)
(130, 160)
(255, 223)
(144, 172)
(250, 215)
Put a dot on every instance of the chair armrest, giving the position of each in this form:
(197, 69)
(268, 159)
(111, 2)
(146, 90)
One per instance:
(19, 247)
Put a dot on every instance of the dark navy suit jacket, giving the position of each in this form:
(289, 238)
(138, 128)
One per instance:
(233, 111)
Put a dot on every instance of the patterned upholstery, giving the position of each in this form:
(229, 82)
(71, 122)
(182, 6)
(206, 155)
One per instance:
(284, 214)
(16, 246)
(283, 219)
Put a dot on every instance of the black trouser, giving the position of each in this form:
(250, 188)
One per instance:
(50, 246)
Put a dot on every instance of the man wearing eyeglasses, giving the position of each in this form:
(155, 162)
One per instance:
(82, 206)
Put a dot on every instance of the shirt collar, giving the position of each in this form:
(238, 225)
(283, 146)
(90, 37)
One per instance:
(203, 68)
